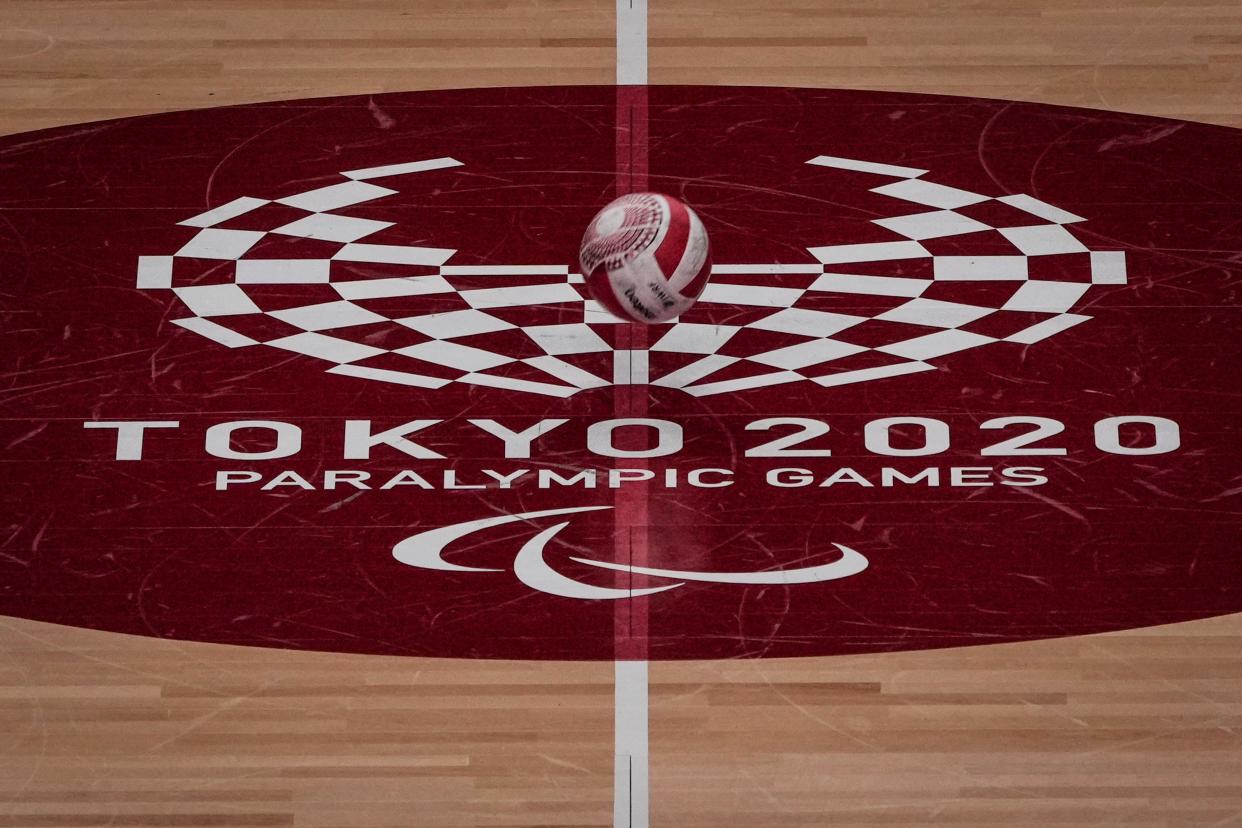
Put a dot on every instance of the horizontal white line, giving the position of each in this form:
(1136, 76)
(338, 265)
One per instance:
(870, 252)
(725, 269)
(866, 166)
(283, 271)
(402, 169)
(393, 254)
(870, 285)
(384, 288)
(980, 268)
(512, 384)
(868, 374)
(526, 295)
(751, 295)
(384, 375)
(744, 383)
(505, 270)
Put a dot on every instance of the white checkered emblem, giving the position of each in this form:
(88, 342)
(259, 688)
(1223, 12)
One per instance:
(756, 325)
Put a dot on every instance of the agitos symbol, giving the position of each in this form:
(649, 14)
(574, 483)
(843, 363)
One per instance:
(425, 550)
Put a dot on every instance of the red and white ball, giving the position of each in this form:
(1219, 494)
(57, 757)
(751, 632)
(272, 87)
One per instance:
(645, 257)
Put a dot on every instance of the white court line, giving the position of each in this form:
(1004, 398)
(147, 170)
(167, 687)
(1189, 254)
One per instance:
(631, 42)
(631, 798)
(630, 367)
(631, 805)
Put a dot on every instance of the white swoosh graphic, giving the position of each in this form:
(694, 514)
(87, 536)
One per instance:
(532, 570)
(850, 563)
(424, 550)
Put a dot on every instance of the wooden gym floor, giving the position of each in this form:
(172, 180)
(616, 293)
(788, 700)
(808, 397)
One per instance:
(1134, 728)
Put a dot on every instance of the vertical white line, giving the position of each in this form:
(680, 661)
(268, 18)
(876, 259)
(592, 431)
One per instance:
(631, 42)
(621, 366)
(630, 803)
(630, 367)
(631, 808)
(640, 370)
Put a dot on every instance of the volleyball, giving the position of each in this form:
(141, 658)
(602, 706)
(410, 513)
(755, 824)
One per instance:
(645, 257)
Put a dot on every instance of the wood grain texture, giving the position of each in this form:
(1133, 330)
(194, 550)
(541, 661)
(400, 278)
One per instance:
(1135, 728)
(1179, 59)
(81, 60)
(107, 729)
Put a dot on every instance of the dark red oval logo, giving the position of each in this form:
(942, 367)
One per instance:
(293, 375)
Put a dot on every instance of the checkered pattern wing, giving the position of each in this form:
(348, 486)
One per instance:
(960, 270)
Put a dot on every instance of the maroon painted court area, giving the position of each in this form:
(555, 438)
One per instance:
(1122, 363)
